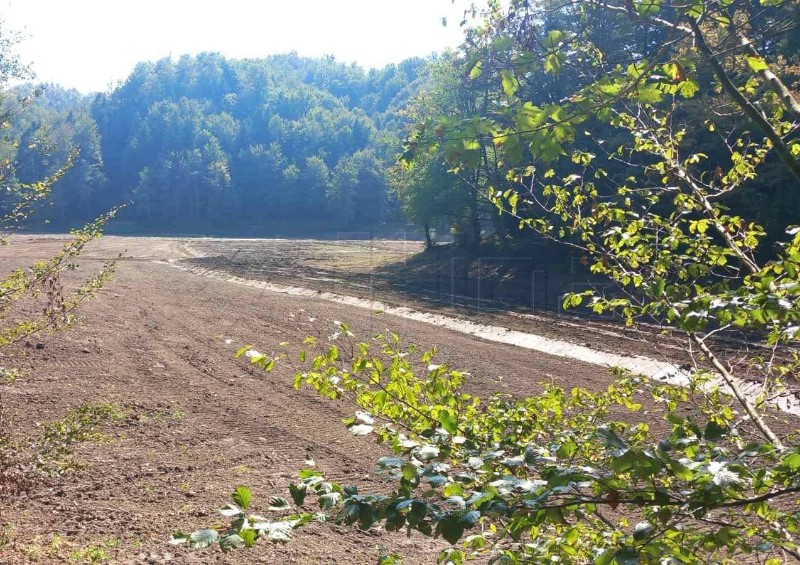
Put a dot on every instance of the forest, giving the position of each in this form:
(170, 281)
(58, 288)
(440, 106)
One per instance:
(197, 144)
(190, 145)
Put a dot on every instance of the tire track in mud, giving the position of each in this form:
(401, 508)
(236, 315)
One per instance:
(661, 371)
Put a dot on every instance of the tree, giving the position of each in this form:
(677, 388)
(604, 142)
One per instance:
(315, 185)
(422, 192)
(428, 190)
(576, 476)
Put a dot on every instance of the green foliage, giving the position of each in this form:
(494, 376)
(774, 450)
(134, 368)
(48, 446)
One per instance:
(94, 553)
(195, 141)
(245, 530)
(52, 451)
(50, 127)
(567, 475)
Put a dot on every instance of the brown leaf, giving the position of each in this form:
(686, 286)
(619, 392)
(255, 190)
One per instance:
(679, 74)
(613, 499)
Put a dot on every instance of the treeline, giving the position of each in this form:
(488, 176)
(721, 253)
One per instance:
(289, 144)
(206, 144)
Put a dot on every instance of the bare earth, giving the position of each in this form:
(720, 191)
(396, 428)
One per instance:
(199, 423)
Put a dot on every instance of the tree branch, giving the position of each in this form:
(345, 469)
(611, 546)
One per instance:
(774, 82)
(759, 422)
(784, 154)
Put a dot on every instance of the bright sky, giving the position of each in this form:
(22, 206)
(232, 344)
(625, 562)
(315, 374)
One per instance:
(90, 44)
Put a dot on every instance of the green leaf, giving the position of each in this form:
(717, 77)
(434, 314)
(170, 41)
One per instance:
(366, 516)
(231, 510)
(278, 503)
(298, 493)
(242, 496)
(657, 288)
(451, 529)
(448, 420)
(276, 531)
(249, 537)
(477, 70)
(642, 530)
(688, 89)
(453, 489)
(471, 518)
(179, 538)
(329, 500)
(361, 429)
(625, 462)
(203, 538)
(395, 522)
(553, 62)
(390, 462)
(418, 512)
(231, 541)
(626, 556)
(757, 64)
(649, 94)
(567, 449)
(714, 432)
(605, 558)
(680, 470)
(554, 38)
(611, 439)
(792, 461)
(243, 350)
(647, 7)
(510, 83)
(409, 471)
(502, 43)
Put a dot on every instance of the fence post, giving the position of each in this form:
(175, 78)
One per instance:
(546, 293)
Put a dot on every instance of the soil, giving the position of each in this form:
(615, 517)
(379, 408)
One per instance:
(508, 291)
(196, 423)
(523, 292)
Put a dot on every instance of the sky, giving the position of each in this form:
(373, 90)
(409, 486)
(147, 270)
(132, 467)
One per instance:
(92, 45)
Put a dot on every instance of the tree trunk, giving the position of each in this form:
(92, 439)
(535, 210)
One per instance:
(428, 240)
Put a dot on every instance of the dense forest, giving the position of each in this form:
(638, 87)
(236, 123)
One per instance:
(210, 145)
(293, 145)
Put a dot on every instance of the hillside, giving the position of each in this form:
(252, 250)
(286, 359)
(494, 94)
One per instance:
(207, 144)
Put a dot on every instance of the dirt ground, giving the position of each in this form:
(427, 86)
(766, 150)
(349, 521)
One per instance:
(519, 293)
(196, 423)
(397, 273)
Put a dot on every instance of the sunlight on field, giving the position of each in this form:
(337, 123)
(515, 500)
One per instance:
(353, 258)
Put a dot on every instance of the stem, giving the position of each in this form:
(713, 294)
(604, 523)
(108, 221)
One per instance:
(738, 394)
(723, 232)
